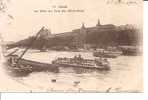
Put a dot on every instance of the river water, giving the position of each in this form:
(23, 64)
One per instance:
(126, 75)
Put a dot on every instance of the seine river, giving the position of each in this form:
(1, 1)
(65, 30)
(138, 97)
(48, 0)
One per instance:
(126, 75)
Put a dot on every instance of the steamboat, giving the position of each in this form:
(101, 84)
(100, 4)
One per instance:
(79, 62)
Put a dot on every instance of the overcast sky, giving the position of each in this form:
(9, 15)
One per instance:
(20, 20)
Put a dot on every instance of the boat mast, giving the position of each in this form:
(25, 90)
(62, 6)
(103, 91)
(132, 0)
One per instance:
(30, 44)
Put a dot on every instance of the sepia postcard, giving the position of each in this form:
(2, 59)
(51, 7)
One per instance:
(71, 46)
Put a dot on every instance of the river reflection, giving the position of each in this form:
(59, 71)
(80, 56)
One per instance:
(125, 75)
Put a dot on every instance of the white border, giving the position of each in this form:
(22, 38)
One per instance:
(93, 96)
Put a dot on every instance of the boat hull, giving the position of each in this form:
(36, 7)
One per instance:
(84, 67)
(106, 55)
(24, 67)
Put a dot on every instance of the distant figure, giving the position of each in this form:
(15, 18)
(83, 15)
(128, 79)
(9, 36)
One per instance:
(106, 61)
(76, 83)
(80, 57)
(10, 60)
(75, 57)
(53, 80)
(108, 90)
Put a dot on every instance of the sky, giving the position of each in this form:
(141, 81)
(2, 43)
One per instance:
(20, 21)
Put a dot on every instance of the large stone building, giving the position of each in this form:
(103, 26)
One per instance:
(99, 36)
(79, 35)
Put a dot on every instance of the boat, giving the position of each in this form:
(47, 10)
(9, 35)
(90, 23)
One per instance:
(25, 66)
(130, 50)
(18, 64)
(79, 62)
(107, 53)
